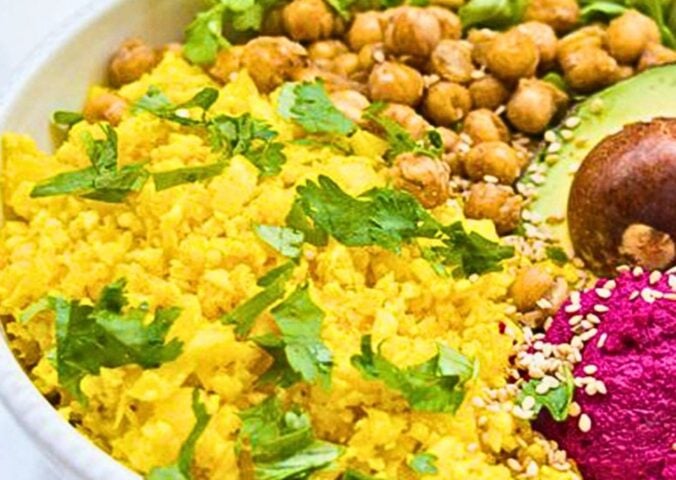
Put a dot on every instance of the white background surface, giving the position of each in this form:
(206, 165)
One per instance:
(23, 24)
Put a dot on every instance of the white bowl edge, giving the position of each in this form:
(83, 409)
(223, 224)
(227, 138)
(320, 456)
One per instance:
(57, 76)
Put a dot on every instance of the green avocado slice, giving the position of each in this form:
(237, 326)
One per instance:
(649, 95)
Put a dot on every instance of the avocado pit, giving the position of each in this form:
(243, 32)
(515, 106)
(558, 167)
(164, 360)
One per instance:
(622, 204)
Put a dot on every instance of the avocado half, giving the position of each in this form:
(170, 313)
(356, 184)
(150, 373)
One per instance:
(642, 98)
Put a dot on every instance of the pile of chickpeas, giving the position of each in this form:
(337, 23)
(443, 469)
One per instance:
(482, 91)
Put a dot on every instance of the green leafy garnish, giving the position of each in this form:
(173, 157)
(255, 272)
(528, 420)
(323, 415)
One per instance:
(181, 176)
(157, 103)
(181, 469)
(496, 14)
(285, 240)
(351, 474)
(436, 385)
(205, 37)
(423, 463)
(274, 287)
(399, 138)
(557, 255)
(107, 335)
(103, 181)
(382, 216)
(67, 119)
(309, 105)
(298, 352)
(557, 400)
(281, 443)
(466, 253)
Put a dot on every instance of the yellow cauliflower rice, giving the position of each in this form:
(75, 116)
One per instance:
(194, 247)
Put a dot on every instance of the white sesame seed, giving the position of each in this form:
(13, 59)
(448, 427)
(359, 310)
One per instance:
(574, 320)
(590, 369)
(550, 136)
(585, 423)
(491, 179)
(601, 308)
(637, 271)
(623, 268)
(544, 304)
(654, 277)
(670, 296)
(647, 295)
(602, 340)
(634, 295)
(673, 446)
(574, 410)
(572, 308)
(532, 469)
(514, 464)
(672, 282)
(601, 387)
(478, 402)
(554, 147)
(603, 293)
(593, 318)
(610, 285)
(542, 388)
(566, 134)
(528, 403)
(572, 122)
(575, 296)
(588, 335)
(590, 389)
(577, 342)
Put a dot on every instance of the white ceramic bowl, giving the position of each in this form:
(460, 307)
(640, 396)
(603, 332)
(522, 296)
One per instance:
(57, 77)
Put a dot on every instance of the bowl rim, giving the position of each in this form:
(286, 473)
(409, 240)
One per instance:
(58, 441)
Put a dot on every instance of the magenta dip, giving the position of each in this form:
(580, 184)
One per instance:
(633, 434)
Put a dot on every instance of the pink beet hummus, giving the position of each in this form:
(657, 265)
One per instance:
(633, 434)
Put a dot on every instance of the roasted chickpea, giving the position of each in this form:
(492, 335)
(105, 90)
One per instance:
(498, 203)
(332, 81)
(656, 54)
(308, 20)
(589, 68)
(326, 49)
(493, 158)
(530, 285)
(409, 119)
(488, 92)
(451, 154)
(369, 55)
(629, 34)
(446, 103)
(512, 55)
(351, 103)
(423, 177)
(345, 64)
(452, 61)
(396, 82)
(481, 40)
(366, 29)
(451, 28)
(561, 15)
(228, 62)
(484, 125)
(544, 38)
(133, 59)
(534, 105)
(272, 60)
(412, 31)
(106, 107)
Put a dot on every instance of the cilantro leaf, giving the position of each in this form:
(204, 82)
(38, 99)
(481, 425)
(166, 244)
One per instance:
(557, 400)
(281, 443)
(285, 240)
(385, 217)
(157, 103)
(181, 469)
(180, 176)
(436, 385)
(557, 255)
(274, 284)
(351, 474)
(497, 14)
(89, 338)
(467, 253)
(298, 352)
(309, 105)
(67, 119)
(298, 221)
(423, 463)
(204, 36)
(103, 181)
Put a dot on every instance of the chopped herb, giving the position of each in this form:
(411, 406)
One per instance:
(423, 463)
(297, 220)
(180, 176)
(274, 287)
(557, 400)
(382, 216)
(285, 240)
(351, 474)
(268, 159)
(309, 105)
(466, 253)
(281, 443)
(67, 119)
(89, 338)
(496, 14)
(557, 80)
(557, 255)
(298, 352)
(181, 470)
(103, 181)
(436, 385)
(398, 137)
(157, 103)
